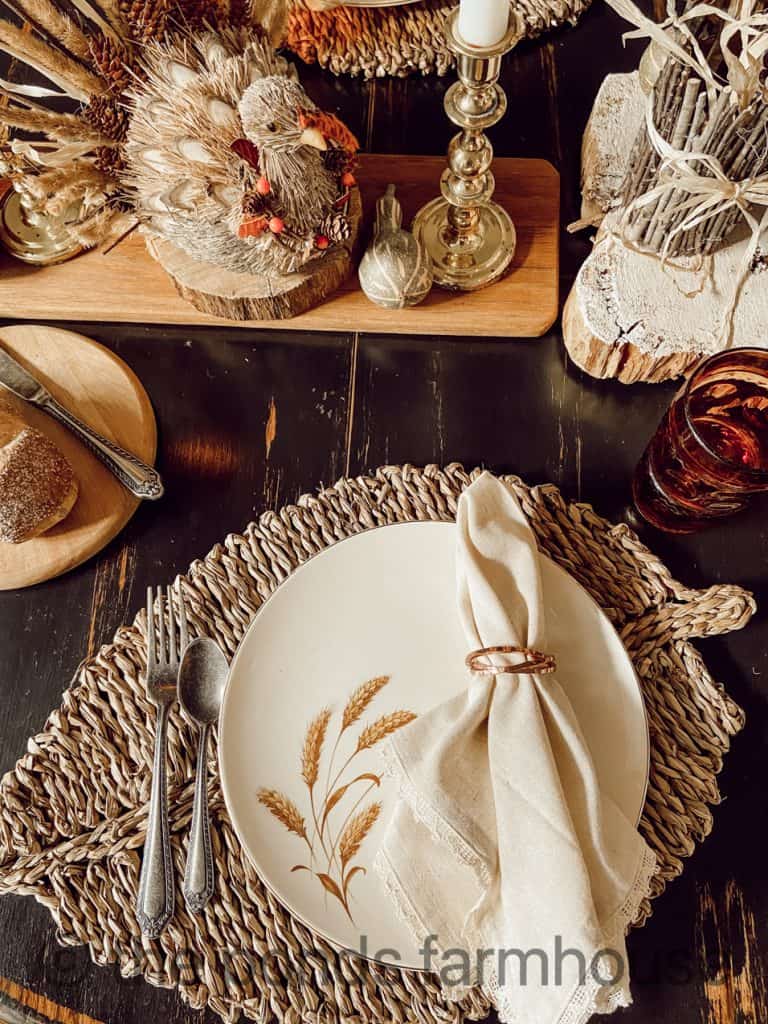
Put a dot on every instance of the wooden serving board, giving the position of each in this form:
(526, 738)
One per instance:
(91, 381)
(127, 285)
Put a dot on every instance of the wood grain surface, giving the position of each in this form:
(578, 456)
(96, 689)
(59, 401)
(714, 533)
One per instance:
(250, 420)
(128, 285)
(226, 294)
(90, 381)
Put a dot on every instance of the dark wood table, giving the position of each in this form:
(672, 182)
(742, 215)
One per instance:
(347, 403)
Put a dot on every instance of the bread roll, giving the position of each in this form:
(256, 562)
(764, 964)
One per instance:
(37, 485)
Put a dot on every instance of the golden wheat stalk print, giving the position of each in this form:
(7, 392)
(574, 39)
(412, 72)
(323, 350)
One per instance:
(337, 838)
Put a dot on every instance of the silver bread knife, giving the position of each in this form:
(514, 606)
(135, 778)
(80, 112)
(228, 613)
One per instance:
(135, 475)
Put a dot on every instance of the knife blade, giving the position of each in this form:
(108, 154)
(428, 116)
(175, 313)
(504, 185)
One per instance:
(15, 378)
(135, 475)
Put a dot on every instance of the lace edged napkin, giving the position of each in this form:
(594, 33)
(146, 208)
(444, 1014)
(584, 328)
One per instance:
(503, 855)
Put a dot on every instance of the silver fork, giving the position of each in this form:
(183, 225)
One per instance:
(154, 907)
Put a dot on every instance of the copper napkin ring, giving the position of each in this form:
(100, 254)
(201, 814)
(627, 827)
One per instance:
(534, 663)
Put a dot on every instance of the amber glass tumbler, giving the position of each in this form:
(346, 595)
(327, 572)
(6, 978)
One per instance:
(710, 452)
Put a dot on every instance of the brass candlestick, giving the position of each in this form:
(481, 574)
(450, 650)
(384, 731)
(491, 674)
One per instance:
(470, 238)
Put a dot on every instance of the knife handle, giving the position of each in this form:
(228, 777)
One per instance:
(135, 475)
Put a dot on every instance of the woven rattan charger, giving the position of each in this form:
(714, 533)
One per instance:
(72, 813)
(398, 40)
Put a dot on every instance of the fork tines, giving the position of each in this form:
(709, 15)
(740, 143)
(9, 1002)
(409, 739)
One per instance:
(166, 642)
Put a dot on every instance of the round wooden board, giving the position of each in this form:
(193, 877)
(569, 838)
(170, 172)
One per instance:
(235, 296)
(91, 381)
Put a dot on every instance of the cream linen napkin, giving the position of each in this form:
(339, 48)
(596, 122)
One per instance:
(501, 840)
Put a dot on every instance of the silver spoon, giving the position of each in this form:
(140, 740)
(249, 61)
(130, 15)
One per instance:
(202, 679)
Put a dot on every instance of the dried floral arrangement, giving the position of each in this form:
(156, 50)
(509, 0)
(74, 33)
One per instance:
(675, 177)
(188, 123)
(339, 825)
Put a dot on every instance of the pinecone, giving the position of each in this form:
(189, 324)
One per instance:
(107, 117)
(239, 13)
(336, 227)
(254, 204)
(196, 14)
(111, 60)
(146, 19)
(338, 161)
(110, 160)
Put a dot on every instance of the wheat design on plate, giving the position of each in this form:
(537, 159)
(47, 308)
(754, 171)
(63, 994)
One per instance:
(338, 819)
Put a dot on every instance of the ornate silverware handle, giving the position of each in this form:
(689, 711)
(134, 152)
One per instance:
(154, 907)
(139, 478)
(198, 878)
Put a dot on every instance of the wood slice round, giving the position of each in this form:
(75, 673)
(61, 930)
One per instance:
(91, 381)
(632, 316)
(236, 296)
(622, 360)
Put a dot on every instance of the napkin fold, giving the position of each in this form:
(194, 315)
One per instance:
(510, 866)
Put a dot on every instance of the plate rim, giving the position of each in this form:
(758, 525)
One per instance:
(225, 788)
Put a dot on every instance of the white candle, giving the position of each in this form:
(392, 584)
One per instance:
(483, 22)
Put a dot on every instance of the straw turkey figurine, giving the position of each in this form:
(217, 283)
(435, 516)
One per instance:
(182, 118)
(229, 159)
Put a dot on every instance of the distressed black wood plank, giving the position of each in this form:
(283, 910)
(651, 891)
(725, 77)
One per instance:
(215, 392)
(512, 406)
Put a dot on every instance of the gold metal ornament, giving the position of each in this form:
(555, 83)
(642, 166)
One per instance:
(470, 238)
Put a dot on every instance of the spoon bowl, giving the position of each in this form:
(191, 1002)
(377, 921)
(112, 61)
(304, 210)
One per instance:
(202, 680)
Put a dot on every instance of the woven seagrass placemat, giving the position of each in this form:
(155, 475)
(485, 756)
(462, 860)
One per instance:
(399, 40)
(72, 812)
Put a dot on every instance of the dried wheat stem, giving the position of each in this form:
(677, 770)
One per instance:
(313, 747)
(60, 127)
(64, 71)
(58, 27)
(123, 225)
(358, 828)
(310, 763)
(360, 699)
(114, 15)
(381, 728)
(285, 810)
(363, 796)
(80, 173)
(10, 97)
(103, 224)
(353, 711)
(89, 11)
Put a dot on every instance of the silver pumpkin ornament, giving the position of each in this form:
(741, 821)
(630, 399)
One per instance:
(396, 269)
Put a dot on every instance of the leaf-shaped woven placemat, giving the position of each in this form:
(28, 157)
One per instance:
(72, 812)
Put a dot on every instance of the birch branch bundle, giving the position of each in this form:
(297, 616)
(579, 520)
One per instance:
(729, 126)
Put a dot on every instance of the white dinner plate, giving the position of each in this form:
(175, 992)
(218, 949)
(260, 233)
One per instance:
(381, 606)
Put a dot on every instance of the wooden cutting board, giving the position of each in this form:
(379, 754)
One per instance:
(92, 382)
(128, 286)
